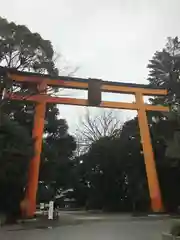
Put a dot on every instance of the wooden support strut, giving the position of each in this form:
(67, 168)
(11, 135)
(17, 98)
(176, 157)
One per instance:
(152, 177)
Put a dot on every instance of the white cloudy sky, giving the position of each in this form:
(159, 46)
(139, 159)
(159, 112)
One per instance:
(107, 39)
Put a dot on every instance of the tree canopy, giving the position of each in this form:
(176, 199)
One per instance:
(24, 50)
(165, 71)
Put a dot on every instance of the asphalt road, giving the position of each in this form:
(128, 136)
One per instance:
(139, 229)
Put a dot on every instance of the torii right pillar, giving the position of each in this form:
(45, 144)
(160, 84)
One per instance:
(152, 177)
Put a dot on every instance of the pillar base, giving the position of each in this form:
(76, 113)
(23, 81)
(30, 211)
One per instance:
(27, 210)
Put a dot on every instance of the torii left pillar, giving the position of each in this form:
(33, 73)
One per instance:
(28, 206)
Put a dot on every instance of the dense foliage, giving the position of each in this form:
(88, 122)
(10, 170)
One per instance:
(16, 150)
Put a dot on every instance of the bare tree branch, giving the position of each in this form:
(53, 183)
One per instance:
(92, 129)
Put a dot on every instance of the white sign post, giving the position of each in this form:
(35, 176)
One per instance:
(51, 210)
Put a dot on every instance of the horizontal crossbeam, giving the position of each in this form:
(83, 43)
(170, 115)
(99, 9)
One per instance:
(82, 84)
(84, 102)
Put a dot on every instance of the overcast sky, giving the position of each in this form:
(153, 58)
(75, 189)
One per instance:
(108, 39)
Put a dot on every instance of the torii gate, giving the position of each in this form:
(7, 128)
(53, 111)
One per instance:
(94, 99)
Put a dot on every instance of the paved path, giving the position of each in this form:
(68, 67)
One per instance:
(135, 229)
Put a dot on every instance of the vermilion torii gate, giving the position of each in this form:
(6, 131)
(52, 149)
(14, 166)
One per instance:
(94, 87)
